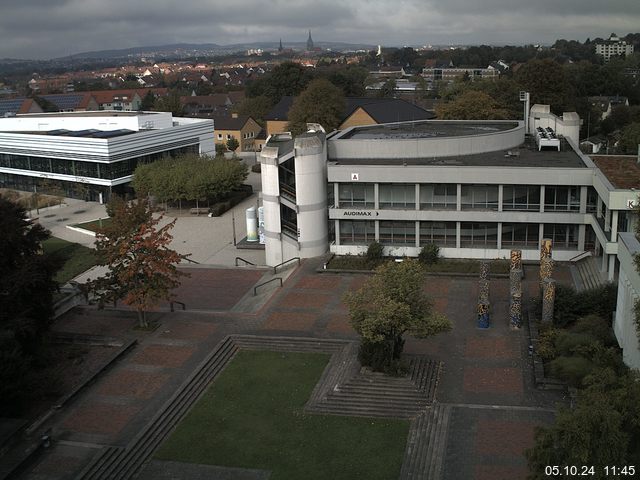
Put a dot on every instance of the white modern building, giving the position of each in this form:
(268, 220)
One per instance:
(613, 47)
(97, 149)
(477, 189)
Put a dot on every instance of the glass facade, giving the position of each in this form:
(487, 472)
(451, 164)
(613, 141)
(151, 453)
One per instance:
(442, 234)
(400, 233)
(398, 195)
(438, 196)
(109, 171)
(521, 197)
(562, 199)
(478, 235)
(357, 232)
(563, 236)
(523, 235)
(358, 195)
(479, 197)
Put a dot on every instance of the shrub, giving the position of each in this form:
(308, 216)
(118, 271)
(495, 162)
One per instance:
(429, 254)
(571, 305)
(596, 326)
(256, 168)
(375, 251)
(567, 343)
(546, 348)
(571, 369)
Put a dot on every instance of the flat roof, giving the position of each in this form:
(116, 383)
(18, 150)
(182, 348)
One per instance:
(526, 155)
(622, 171)
(88, 133)
(92, 113)
(428, 129)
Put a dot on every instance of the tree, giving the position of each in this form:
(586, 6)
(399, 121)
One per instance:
(288, 78)
(321, 102)
(390, 304)
(148, 101)
(233, 144)
(630, 139)
(26, 279)
(472, 105)
(142, 267)
(170, 103)
(351, 80)
(220, 149)
(388, 89)
(602, 430)
(548, 83)
(255, 107)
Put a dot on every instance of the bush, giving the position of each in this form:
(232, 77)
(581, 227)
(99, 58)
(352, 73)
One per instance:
(567, 343)
(597, 327)
(375, 251)
(256, 168)
(571, 369)
(571, 305)
(429, 254)
(546, 347)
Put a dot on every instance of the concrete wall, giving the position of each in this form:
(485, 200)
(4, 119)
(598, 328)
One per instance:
(427, 147)
(271, 202)
(568, 125)
(311, 194)
(628, 291)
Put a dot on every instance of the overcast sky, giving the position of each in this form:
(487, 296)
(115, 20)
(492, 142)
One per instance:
(54, 28)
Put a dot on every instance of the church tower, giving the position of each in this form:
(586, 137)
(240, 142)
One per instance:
(280, 47)
(309, 42)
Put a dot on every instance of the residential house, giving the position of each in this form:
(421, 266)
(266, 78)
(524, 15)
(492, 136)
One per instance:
(241, 127)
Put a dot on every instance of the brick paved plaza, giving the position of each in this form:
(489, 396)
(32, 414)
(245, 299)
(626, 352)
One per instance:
(486, 376)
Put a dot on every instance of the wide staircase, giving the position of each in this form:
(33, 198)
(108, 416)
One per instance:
(586, 273)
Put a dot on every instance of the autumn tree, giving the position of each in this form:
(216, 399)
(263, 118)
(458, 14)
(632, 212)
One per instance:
(142, 269)
(391, 303)
(548, 83)
(321, 102)
(472, 105)
(170, 103)
(388, 89)
(288, 78)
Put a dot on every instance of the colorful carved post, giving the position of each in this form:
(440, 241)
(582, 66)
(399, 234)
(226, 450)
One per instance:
(546, 262)
(483, 296)
(548, 300)
(516, 259)
(515, 311)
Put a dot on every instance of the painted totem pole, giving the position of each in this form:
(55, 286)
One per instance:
(547, 284)
(515, 280)
(483, 296)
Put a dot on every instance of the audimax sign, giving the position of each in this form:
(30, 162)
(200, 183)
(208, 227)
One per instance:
(359, 213)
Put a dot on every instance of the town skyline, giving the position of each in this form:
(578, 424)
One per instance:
(37, 29)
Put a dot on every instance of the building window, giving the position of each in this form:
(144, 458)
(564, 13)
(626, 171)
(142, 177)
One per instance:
(521, 197)
(289, 221)
(563, 236)
(592, 200)
(219, 136)
(524, 235)
(479, 235)
(359, 195)
(398, 196)
(228, 136)
(357, 232)
(562, 199)
(442, 234)
(479, 197)
(438, 196)
(397, 233)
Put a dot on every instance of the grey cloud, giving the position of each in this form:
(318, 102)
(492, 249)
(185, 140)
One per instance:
(47, 28)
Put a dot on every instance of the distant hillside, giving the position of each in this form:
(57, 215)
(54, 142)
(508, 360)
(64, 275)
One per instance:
(192, 49)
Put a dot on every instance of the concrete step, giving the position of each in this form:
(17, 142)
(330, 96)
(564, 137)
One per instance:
(437, 442)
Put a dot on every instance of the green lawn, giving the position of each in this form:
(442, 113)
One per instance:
(94, 225)
(251, 417)
(76, 258)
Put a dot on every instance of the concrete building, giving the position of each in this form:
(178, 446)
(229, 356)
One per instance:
(475, 188)
(613, 47)
(99, 150)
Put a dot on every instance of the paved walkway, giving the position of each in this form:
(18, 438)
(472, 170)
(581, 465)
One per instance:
(487, 378)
